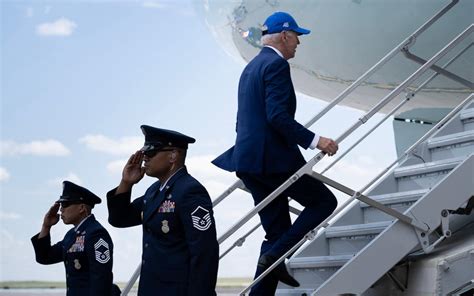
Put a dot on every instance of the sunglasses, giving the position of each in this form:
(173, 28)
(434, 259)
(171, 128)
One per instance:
(152, 153)
(65, 204)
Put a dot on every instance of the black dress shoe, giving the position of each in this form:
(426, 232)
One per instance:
(279, 272)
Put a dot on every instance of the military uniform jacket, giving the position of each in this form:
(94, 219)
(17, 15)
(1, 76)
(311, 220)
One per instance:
(87, 256)
(267, 133)
(180, 249)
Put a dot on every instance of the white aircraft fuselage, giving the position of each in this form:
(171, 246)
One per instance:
(350, 36)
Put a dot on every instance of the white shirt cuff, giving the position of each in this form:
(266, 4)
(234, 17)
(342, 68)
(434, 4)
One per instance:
(314, 144)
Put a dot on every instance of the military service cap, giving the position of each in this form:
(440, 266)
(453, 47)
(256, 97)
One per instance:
(157, 138)
(73, 193)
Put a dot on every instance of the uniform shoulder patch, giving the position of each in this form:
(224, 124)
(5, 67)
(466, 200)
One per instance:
(201, 219)
(102, 251)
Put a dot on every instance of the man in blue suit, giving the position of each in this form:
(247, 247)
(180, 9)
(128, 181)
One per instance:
(266, 150)
(86, 250)
(180, 249)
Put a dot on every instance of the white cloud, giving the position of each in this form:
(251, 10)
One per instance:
(116, 166)
(179, 7)
(9, 216)
(57, 182)
(154, 4)
(60, 27)
(213, 178)
(4, 174)
(48, 147)
(124, 145)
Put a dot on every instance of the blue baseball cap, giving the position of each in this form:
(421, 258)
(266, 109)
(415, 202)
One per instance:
(282, 21)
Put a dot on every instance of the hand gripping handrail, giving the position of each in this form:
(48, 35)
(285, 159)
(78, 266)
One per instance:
(357, 194)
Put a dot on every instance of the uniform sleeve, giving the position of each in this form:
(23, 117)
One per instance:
(196, 215)
(44, 252)
(278, 91)
(100, 254)
(123, 213)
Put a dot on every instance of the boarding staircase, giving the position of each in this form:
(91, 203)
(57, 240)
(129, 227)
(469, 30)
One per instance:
(408, 207)
(364, 243)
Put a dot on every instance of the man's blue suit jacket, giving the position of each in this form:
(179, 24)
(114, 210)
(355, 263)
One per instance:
(267, 133)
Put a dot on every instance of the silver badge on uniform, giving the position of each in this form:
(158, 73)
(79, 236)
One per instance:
(201, 218)
(77, 265)
(102, 252)
(164, 226)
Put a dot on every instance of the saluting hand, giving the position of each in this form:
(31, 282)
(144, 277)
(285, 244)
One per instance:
(327, 145)
(132, 173)
(52, 216)
(50, 219)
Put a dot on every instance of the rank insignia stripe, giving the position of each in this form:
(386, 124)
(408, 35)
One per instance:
(201, 219)
(102, 251)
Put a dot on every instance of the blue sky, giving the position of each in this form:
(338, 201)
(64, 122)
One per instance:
(79, 78)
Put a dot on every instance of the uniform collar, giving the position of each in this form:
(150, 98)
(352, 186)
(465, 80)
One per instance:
(82, 222)
(163, 185)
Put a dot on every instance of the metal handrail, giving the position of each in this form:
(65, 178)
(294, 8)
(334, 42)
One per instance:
(324, 224)
(313, 161)
(407, 98)
(240, 241)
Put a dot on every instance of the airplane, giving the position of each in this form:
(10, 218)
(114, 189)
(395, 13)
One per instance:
(350, 36)
(418, 237)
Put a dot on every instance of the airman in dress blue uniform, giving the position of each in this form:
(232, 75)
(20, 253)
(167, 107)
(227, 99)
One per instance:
(180, 250)
(86, 250)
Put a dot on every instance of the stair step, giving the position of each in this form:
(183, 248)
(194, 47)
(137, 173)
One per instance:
(426, 168)
(397, 197)
(294, 292)
(453, 145)
(467, 114)
(399, 201)
(350, 239)
(467, 118)
(312, 272)
(318, 262)
(424, 175)
(356, 229)
(448, 140)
